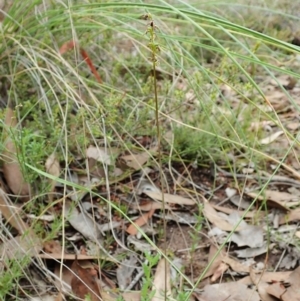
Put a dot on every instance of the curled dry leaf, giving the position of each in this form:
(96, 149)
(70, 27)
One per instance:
(85, 282)
(142, 220)
(11, 167)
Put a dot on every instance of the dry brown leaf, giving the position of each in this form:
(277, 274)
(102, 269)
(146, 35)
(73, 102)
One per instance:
(236, 265)
(263, 279)
(141, 221)
(11, 213)
(11, 166)
(293, 291)
(136, 161)
(276, 289)
(221, 269)
(162, 281)
(293, 125)
(278, 196)
(53, 168)
(211, 214)
(27, 243)
(246, 280)
(170, 198)
(269, 277)
(84, 282)
(101, 154)
(94, 168)
(261, 286)
(52, 246)
(216, 261)
(291, 216)
(274, 198)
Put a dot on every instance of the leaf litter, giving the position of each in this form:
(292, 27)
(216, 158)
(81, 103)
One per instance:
(88, 219)
(240, 268)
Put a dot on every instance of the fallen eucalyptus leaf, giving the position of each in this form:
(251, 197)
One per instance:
(82, 223)
(11, 166)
